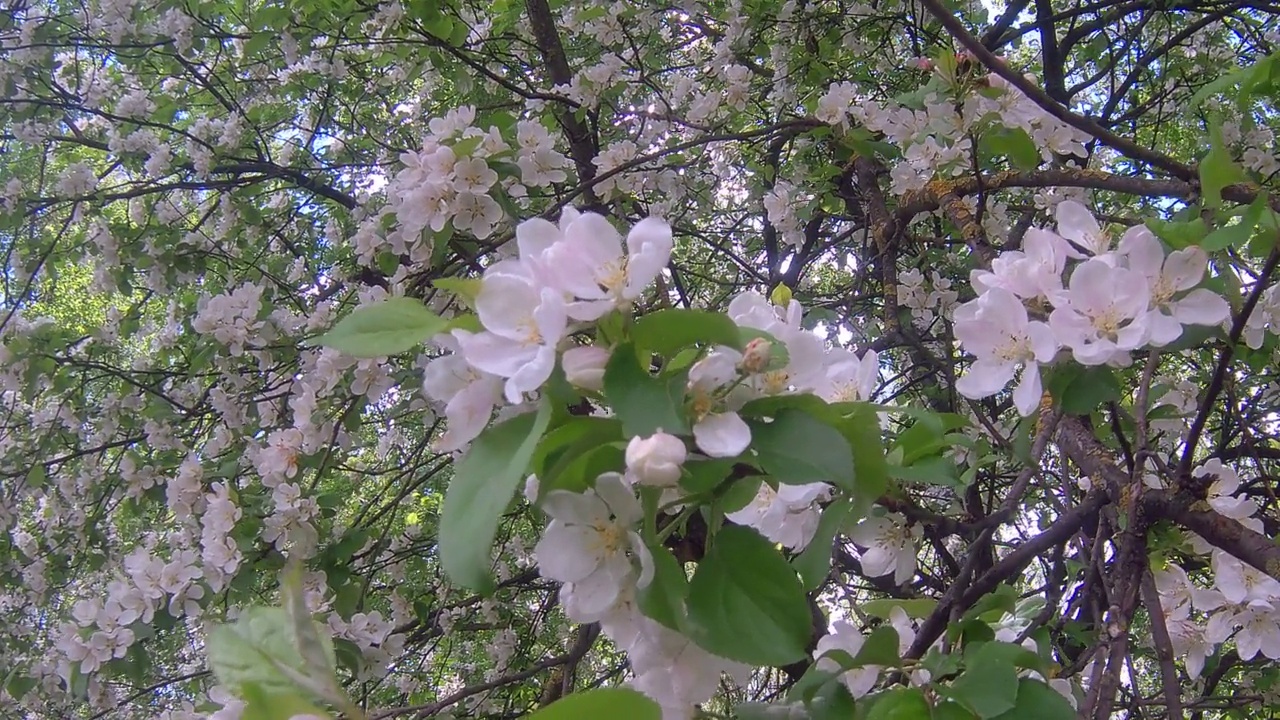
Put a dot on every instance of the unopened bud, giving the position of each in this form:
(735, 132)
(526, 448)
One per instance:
(584, 366)
(756, 356)
(656, 460)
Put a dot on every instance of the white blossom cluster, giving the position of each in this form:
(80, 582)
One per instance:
(1118, 298)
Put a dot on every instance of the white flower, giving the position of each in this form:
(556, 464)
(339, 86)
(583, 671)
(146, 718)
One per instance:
(995, 328)
(850, 379)
(655, 460)
(1077, 224)
(590, 546)
(469, 396)
(1102, 314)
(1167, 277)
(1035, 272)
(523, 321)
(718, 434)
(590, 264)
(890, 547)
(788, 516)
(846, 637)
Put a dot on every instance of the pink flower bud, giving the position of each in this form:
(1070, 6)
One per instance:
(656, 460)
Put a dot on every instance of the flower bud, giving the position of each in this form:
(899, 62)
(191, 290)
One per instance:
(584, 366)
(756, 356)
(656, 460)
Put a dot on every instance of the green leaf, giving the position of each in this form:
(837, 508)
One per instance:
(482, 486)
(643, 403)
(880, 648)
(1179, 234)
(797, 448)
(746, 603)
(1015, 144)
(666, 331)
(815, 562)
(913, 607)
(899, 703)
(618, 703)
(702, 476)
(392, 326)
(1236, 234)
(663, 599)
(1217, 169)
(261, 649)
(263, 705)
(1038, 700)
(464, 289)
(1081, 390)
(987, 687)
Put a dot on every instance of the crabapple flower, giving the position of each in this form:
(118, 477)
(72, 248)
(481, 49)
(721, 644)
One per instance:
(469, 396)
(1078, 225)
(1102, 314)
(716, 433)
(890, 547)
(589, 263)
(849, 378)
(523, 321)
(590, 546)
(655, 460)
(1167, 277)
(846, 637)
(1033, 273)
(788, 516)
(995, 328)
(1221, 492)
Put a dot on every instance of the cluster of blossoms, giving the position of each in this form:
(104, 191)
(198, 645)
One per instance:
(935, 133)
(563, 278)
(1117, 299)
(451, 181)
(1241, 602)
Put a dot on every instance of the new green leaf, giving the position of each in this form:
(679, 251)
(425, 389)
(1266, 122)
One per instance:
(482, 486)
(747, 604)
(392, 326)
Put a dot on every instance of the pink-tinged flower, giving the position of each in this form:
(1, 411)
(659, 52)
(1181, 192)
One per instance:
(1169, 277)
(718, 432)
(584, 366)
(1102, 314)
(788, 516)
(470, 396)
(1078, 225)
(590, 263)
(523, 321)
(996, 330)
(1033, 273)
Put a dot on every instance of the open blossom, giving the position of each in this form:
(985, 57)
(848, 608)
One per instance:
(469, 396)
(850, 378)
(590, 263)
(1169, 277)
(996, 329)
(1032, 273)
(718, 432)
(523, 321)
(846, 637)
(1077, 224)
(890, 547)
(788, 516)
(590, 546)
(1102, 314)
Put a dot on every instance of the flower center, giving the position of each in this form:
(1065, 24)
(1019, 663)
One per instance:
(613, 276)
